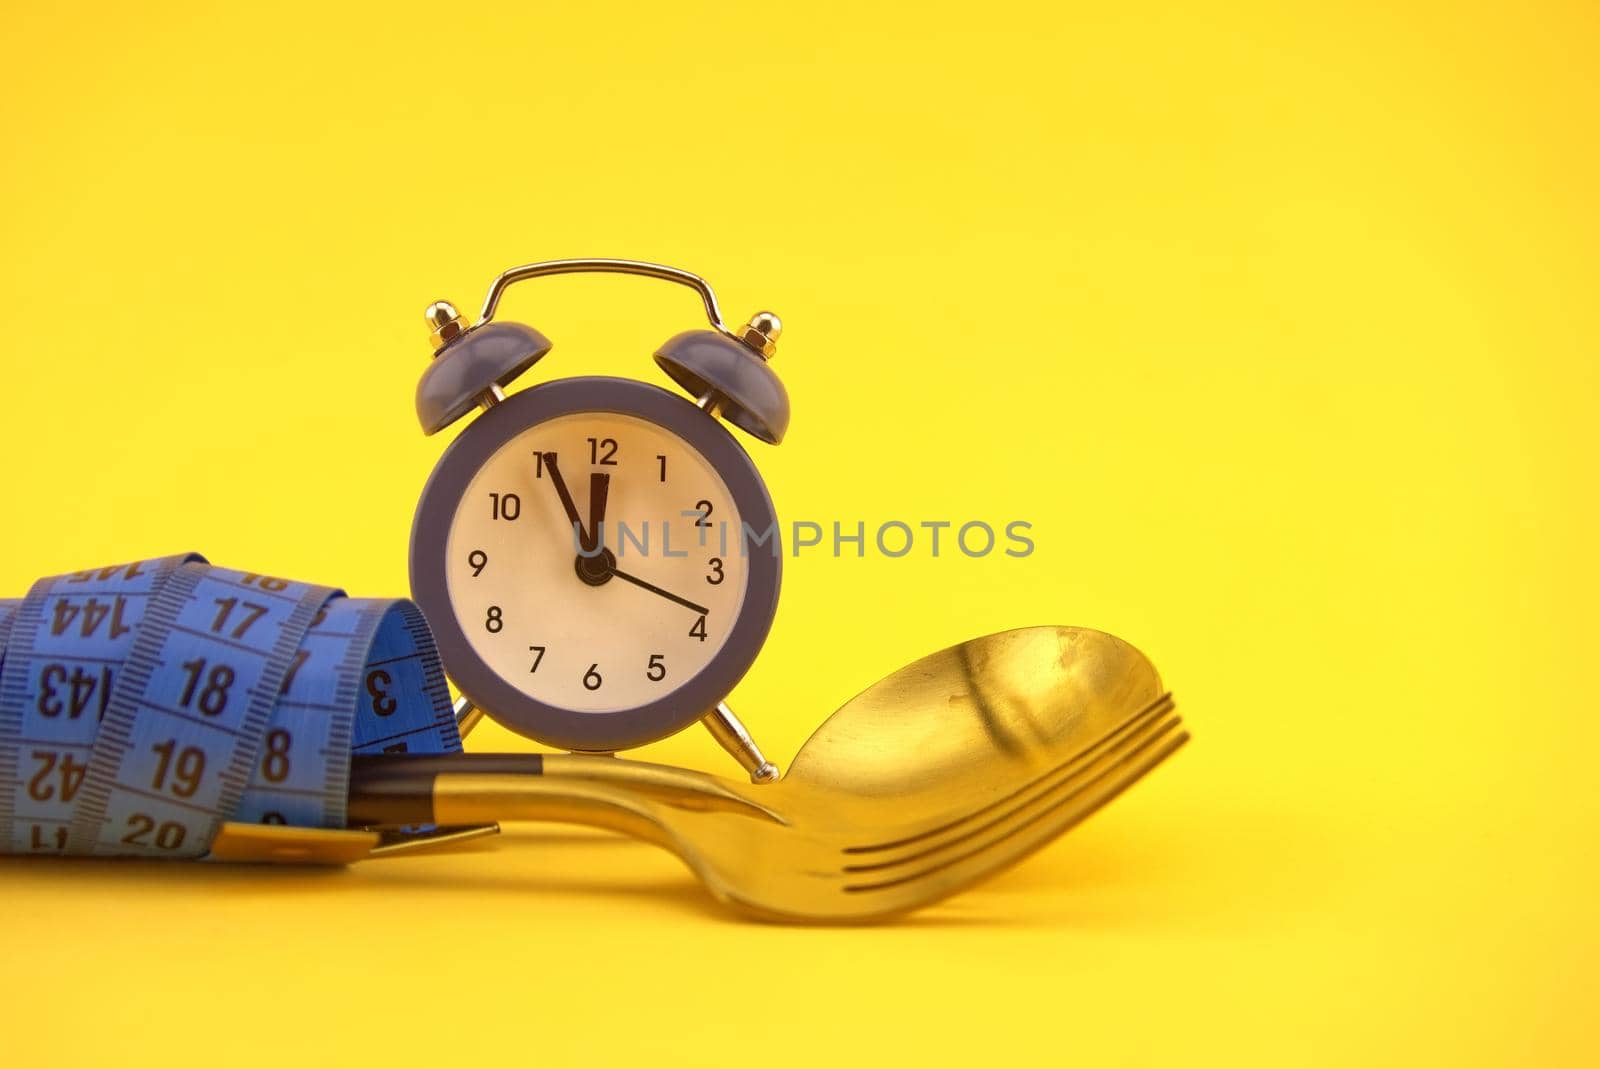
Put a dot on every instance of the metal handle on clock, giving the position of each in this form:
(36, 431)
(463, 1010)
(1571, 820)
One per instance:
(598, 265)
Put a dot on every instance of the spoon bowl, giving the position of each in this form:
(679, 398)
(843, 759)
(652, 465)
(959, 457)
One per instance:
(952, 728)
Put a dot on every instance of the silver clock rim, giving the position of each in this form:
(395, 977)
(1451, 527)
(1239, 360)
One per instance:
(552, 725)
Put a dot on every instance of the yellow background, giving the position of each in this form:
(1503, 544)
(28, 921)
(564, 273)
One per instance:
(1279, 322)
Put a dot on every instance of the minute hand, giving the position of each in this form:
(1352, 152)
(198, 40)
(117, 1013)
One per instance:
(567, 504)
(636, 581)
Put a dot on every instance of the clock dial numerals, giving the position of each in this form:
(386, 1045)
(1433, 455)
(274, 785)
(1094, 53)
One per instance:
(579, 575)
(655, 669)
(506, 507)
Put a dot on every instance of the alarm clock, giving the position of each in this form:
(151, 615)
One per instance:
(598, 557)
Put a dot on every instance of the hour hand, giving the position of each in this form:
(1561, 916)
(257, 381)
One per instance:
(599, 486)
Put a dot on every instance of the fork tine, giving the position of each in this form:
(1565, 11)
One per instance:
(1051, 825)
(1067, 783)
(1027, 833)
(1044, 783)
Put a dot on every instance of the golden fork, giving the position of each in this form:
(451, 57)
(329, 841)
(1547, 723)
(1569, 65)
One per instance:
(938, 776)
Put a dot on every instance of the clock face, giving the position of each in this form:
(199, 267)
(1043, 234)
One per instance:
(595, 562)
(584, 642)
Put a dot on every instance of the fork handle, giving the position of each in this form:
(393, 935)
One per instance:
(403, 789)
(393, 789)
(466, 789)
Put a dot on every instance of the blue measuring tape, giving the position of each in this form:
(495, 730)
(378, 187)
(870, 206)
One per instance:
(143, 705)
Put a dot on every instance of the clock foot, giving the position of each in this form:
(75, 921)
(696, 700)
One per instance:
(467, 715)
(732, 736)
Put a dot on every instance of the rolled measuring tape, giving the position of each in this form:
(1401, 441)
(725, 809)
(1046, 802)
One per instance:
(144, 705)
